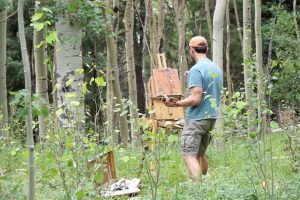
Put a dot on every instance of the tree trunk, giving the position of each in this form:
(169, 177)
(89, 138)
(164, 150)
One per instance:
(3, 93)
(238, 22)
(152, 37)
(129, 22)
(160, 25)
(25, 59)
(179, 7)
(246, 55)
(41, 76)
(259, 69)
(145, 48)
(209, 23)
(69, 59)
(228, 41)
(113, 64)
(218, 26)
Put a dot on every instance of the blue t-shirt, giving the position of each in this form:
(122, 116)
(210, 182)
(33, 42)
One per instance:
(208, 76)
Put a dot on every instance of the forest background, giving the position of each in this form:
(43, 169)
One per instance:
(74, 76)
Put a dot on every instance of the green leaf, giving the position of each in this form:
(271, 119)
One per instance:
(252, 135)
(124, 112)
(236, 95)
(74, 103)
(241, 104)
(38, 26)
(80, 70)
(22, 112)
(37, 16)
(47, 10)
(70, 95)
(274, 125)
(52, 37)
(80, 194)
(100, 82)
(70, 82)
(53, 172)
(13, 152)
(98, 177)
(85, 140)
(84, 89)
(70, 163)
(59, 112)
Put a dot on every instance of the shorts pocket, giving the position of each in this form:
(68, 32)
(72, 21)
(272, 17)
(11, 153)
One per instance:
(190, 141)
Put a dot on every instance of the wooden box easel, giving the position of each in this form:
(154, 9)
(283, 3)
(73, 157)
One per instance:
(163, 82)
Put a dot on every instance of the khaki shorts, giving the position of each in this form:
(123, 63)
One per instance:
(196, 136)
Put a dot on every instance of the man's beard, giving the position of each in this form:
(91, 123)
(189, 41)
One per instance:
(190, 61)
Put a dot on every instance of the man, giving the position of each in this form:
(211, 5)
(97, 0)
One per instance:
(205, 82)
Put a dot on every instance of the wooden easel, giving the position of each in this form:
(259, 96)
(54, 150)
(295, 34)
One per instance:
(163, 82)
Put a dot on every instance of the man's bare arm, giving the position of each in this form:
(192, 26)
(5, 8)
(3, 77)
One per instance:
(193, 100)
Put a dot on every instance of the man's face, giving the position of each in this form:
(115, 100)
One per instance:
(191, 51)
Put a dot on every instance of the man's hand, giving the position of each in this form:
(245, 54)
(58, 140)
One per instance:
(169, 102)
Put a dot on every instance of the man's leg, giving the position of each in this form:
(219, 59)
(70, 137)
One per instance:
(203, 161)
(193, 166)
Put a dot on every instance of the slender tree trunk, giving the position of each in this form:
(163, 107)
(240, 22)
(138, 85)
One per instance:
(246, 54)
(138, 55)
(179, 7)
(41, 76)
(110, 104)
(25, 59)
(145, 47)
(112, 118)
(152, 36)
(228, 41)
(218, 28)
(259, 67)
(209, 22)
(113, 64)
(68, 60)
(160, 25)
(129, 22)
(296, 23)
(239, 29)
(3, 93)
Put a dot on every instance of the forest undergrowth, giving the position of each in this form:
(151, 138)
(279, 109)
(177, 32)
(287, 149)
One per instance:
(239, 169)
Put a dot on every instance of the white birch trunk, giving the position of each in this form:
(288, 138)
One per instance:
(3, 90)
(41, 76)
(218, 28)
(68, 60)
(259, 68)
(27, 75)
(246, 55)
